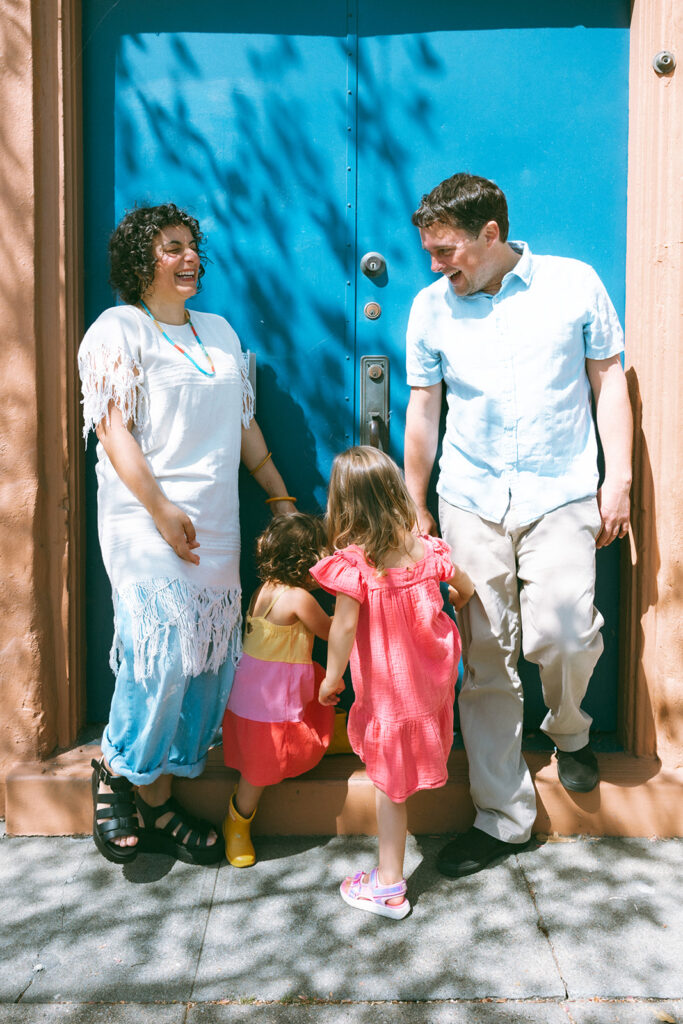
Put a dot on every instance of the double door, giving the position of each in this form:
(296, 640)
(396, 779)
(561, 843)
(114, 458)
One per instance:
(302, 137)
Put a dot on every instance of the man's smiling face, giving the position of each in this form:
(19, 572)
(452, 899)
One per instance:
(465, 259)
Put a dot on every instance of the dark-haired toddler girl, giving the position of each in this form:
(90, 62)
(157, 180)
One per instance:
(274, 727)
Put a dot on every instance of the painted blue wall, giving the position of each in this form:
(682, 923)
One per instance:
(302, 137)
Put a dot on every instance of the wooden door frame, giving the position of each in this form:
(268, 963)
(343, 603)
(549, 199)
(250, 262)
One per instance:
(47, 324)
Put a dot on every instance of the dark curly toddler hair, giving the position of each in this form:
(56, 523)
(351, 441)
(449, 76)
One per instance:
(288, 547)
(131, 260)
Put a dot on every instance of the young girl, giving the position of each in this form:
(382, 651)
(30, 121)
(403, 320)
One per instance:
(274, 728)
(404, 653)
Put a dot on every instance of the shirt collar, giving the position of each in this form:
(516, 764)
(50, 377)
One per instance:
(523, 269)
(524, 266)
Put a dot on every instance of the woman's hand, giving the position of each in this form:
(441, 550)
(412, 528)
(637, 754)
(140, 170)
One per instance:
(329, 692)
(282, 508)
(177, 529)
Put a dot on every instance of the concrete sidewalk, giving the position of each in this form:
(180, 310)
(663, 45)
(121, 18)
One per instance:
(583, 931)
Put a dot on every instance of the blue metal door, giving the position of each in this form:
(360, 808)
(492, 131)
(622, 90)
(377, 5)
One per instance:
(302, 136)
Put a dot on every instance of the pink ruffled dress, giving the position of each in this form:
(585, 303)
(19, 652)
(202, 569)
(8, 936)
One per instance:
(404, 666)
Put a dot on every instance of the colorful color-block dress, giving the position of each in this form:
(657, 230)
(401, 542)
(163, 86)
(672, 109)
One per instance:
(274, 728)
(404, 666)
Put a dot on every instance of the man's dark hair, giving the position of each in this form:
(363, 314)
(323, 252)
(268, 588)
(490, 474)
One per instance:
(131, 260)
(466, 202)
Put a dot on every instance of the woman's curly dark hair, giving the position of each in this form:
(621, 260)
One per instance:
(288, 547)
(132, 263)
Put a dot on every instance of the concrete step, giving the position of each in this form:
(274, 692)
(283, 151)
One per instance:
(636, 797)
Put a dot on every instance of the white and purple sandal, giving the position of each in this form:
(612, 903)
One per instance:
(374, 897)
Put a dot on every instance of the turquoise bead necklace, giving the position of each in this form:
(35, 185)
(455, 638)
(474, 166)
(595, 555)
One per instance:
(179, 348)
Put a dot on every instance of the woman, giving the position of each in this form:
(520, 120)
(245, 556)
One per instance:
(168, 396)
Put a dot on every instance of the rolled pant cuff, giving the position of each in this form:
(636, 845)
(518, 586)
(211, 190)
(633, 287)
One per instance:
(119, 767)
(570, 744)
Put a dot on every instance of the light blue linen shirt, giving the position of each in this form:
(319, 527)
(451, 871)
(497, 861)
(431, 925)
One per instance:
(519, 429)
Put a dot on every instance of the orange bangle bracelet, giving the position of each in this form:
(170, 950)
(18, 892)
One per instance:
(261, 463)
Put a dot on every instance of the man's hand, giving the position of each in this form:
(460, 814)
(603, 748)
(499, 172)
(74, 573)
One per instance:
(614, 504)
(177, 529)
(426, 524)
(615, 426)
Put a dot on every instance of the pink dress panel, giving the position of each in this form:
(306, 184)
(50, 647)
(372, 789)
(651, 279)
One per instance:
(271, 691)
(403, 665)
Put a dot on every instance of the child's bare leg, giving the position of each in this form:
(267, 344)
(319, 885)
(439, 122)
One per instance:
(392, 826)
(247, 797)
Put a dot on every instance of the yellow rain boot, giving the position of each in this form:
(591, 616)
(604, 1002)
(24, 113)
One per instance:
(239, 849)
(340, 740)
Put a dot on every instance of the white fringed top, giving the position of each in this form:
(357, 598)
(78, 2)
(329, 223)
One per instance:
(188, 427)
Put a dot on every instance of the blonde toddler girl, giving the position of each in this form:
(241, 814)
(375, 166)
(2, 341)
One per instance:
(404, 653)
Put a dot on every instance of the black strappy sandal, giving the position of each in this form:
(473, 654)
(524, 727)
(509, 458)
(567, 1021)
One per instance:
(183, 836)
(115, 820)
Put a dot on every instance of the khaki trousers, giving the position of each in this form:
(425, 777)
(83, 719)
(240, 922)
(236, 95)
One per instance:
(535, 586)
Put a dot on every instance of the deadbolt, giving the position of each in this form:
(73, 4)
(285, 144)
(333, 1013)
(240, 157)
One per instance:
(373, 264)
(375, 372)
(372, 310)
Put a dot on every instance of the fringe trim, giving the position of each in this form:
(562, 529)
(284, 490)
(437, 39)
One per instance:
(107, 378)
(247, 394)
(208, 623)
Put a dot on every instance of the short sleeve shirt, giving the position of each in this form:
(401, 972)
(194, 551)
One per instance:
(519, 427)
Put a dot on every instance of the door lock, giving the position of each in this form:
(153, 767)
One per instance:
(373, 264)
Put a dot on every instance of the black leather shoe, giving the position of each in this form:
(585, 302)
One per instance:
(577, 770)
(473, 851)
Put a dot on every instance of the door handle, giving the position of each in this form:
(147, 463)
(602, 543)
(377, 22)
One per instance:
(378, 433)
(373, 264)
(374, 431)
(374, 401)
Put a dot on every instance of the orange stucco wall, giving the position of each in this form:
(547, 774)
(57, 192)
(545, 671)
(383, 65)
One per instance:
(38, 479)
(41, 601)
(28, 726)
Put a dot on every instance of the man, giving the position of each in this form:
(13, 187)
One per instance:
(520, 342)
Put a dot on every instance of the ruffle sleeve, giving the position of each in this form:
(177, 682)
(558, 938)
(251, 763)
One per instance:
(442, 554)
(110, 372)
(338, 575)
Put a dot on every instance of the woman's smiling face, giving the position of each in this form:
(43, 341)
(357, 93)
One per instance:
(176, 273)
